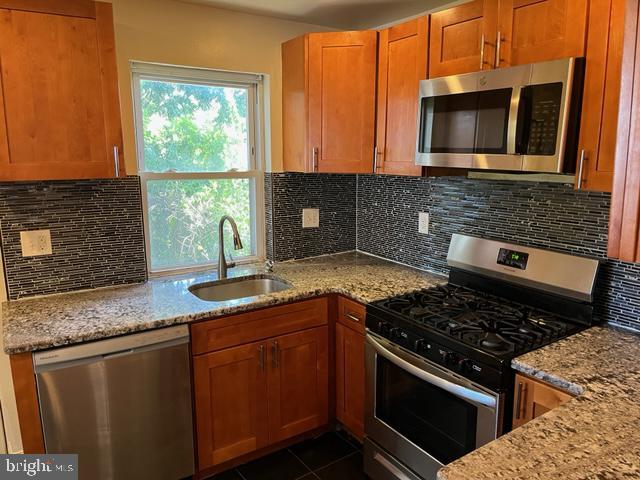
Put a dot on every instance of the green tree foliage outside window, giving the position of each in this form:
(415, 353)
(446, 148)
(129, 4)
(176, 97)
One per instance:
(194, 128)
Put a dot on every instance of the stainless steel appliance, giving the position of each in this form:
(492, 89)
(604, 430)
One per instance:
(122, 404)
(523, 118)
(439, 382)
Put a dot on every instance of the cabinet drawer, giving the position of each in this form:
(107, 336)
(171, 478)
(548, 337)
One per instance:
(249, 327)
(351, 314)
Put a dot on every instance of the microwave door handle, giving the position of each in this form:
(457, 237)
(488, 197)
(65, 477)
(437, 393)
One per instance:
(453, 388)
(512, 128)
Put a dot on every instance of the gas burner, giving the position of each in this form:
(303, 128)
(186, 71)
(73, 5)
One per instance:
(486, 322)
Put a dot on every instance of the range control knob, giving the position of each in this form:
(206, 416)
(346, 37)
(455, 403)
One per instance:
(464, 365)
(383, 327)
(394, 332)
(418, 345)
(447, 357)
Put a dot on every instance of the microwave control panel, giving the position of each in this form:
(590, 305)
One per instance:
(544, 115)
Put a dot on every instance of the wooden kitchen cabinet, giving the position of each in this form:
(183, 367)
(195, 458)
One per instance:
(60, 104)
(533, 398)
(260, 377)
(488, 34)
(461, 38)
(533, 31)
(329, 102)
(298, 383)
(402, 63)
(350, 371)
(624, 222)
(601, 95)
(231, 403)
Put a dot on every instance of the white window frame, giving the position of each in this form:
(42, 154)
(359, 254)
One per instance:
(258, 104)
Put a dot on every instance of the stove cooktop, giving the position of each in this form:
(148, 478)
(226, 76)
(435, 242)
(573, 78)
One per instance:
(488, 323)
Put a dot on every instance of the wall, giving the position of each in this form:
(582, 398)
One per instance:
(165, 31)
(288, 193)
(96, 234)
(386, 209)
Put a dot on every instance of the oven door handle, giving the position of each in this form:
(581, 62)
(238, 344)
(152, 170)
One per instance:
(459, 391)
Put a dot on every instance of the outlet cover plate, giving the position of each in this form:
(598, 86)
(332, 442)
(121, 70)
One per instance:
(423, 222)
(35, 243)
(310, 218)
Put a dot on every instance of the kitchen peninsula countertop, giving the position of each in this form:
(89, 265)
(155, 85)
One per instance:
(594, 436)
(56, 320)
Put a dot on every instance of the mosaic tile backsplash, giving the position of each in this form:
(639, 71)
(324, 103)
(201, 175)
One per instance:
(96, 234)
(542, 215)
(288, 193)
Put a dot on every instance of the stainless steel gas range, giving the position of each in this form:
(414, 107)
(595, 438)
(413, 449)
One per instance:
(439, 381)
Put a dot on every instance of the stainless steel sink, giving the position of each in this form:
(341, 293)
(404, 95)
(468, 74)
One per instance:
(241, 287)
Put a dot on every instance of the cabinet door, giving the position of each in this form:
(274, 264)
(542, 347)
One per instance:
(601, 94)
(298, 383)
(61, 117)
(342, 97)
(539, 30)
(230, 403)
(463, 38)
(533, 399)
(350, 379)
(402, 63)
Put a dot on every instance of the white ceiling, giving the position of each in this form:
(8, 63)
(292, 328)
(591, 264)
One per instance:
(341, 14)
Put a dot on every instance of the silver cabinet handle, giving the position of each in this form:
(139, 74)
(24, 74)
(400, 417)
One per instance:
(519, 400)
(390, 467)
(498, 45)
(482, 42)
(375, 159)
(314, 156)
(261, 361)
(352, 317)
(116, 159)
(583, 157)
(406, 364)
(275, 351)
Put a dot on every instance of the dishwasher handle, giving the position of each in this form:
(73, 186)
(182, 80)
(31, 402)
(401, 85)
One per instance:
(110, 348)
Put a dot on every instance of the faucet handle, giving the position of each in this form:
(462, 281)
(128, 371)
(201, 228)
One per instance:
(268, 265)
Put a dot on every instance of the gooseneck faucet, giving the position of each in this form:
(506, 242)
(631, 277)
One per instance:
(237, 245)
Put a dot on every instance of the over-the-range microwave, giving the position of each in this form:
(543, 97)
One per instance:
(523, 118)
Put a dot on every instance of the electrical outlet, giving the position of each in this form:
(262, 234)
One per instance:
(423, 222)
(35, 243)
(310, 218)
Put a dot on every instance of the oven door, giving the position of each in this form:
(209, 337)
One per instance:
(423, 415)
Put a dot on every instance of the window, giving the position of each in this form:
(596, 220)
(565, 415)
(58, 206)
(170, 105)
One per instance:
(198, 159)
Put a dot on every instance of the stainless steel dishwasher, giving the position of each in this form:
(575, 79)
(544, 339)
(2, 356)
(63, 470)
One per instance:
(122, 404)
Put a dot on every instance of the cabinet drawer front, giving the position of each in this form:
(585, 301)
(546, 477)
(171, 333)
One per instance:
(248, 327)
(351, 314)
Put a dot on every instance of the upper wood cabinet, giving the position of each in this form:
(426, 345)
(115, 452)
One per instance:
(402, 63)
(601, 95)
(329, 94)
(624, 223)
(461, 38)
(59, 102)
(534, 398)
(486, 34)
(531, 31)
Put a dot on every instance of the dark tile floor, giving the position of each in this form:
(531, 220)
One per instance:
(332, 456)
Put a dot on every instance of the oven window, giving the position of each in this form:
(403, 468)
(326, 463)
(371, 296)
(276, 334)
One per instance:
(475, 122)
(438, 422)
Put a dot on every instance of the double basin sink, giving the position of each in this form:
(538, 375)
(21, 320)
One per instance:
(237, 288)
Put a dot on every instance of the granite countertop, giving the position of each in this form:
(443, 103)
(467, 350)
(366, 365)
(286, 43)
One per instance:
(594, 436)
(45, 322)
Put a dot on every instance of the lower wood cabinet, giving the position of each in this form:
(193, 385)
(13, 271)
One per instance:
(262, 392)
(533, 398)
(350, 379)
